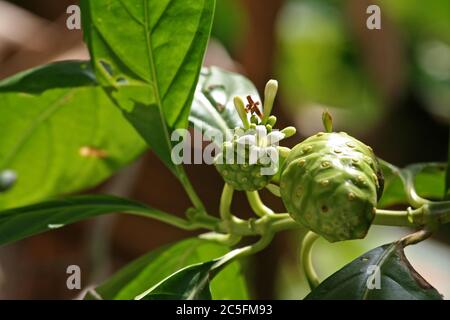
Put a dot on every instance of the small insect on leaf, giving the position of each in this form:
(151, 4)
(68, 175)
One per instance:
(90, 152)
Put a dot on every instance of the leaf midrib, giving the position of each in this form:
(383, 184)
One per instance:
(381, 260)
(155, 84)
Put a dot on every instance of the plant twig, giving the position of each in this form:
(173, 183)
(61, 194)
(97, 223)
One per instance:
(190, 191)
(415, 237)
(399, 218)
(306, 259)
(257, 205)
(225, 202)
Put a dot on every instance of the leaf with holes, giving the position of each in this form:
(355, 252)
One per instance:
(429, 181)
(149, 54)
(60, 133)
(383, 273)
(213, 112)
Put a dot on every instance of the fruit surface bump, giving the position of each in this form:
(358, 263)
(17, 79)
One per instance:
(331, 183)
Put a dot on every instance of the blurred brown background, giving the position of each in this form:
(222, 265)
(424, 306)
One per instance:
(386, 104)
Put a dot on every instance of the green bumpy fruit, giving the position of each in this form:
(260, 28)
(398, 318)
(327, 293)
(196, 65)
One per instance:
(241, 175)
(331, 183)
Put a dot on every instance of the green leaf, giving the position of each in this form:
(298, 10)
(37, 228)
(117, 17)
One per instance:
(60, 133)
(150, 269)
(149, 53)
(398, 279)
(230, 283)
(447, 176)
(19, 223)
(429, 181)
(213, 112)
(190, 283)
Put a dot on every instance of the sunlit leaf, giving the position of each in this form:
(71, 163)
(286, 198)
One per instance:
(60, 133)
(149, 53)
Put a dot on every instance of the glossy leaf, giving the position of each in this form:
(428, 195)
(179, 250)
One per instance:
(429, 182)
(213, 112)
(357, 280)
(190, 283)
(149, 53)
(60, 133)
(19, 223)
(150, 269)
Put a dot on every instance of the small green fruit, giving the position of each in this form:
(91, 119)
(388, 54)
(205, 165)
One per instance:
(240, 174)
(331, 183)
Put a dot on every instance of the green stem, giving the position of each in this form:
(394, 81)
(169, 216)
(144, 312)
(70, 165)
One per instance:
(211, 223)
(187, 185)
(284, 223)
(225, 202)
(399, 218)
(261, 244)
(306, 259)
(431, 214)
(257, 205)
(227, 239)
(413, 198)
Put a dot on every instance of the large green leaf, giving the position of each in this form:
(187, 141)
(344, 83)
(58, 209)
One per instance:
(429, 182)
(149, 53)
(213, 112)
(150, 269)
(190, 283)
(19, 223)
(398, 279)
(60, 133)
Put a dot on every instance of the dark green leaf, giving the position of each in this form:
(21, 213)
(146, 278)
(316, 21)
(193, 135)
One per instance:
(429, 181)
(398, 279)
(68, 74)
(19, 223)
(150, 269)
(190, 283)
(213, 111)
(60, 133)
(149, 53)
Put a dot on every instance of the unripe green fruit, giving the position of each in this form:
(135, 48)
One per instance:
(331, 183)
(240, 174)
